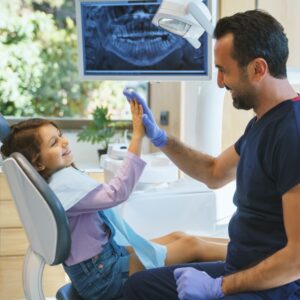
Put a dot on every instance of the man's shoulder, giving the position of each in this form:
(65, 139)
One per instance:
(296, 108)
(287, 115)
(288, 127)
(294, 116)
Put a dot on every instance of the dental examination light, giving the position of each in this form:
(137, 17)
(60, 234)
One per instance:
(186, 18)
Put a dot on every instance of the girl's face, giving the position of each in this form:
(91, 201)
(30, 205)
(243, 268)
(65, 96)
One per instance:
(55, 151)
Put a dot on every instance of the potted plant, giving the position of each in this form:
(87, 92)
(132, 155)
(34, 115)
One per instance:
(100, 130)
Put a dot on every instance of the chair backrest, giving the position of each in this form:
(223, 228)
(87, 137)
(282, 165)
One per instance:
(4, 128)
(44, 220)
(41, 213)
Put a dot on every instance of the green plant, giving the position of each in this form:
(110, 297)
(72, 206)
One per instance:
(100, 130)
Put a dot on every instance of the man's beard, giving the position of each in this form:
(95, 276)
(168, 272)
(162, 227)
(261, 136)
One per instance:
(245, 102)
(246, 98)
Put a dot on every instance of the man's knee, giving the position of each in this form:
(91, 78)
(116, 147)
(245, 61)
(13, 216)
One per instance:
(129, 290)
(151, 284)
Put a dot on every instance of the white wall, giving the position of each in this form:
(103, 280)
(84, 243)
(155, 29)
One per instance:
(86, 156)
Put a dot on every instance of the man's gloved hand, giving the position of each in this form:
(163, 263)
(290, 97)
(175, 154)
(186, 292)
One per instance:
(157, 136)
(197, 285)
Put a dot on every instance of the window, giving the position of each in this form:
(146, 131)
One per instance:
(38, 67)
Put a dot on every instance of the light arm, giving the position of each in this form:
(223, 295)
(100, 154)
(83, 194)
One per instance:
(197, 11)
(189, 19)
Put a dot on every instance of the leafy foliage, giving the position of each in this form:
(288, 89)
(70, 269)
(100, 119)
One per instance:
(38, 66)
(101, 129)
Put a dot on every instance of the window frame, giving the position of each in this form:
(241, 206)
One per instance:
(67, 123)
(70, 123)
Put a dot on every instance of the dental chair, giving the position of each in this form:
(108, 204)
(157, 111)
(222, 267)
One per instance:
(44, 220)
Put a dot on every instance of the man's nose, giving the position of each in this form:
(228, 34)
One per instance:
(220, 80)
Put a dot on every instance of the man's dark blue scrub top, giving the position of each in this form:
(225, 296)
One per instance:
(269, 166)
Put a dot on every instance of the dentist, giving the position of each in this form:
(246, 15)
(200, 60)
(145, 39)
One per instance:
(263, 255)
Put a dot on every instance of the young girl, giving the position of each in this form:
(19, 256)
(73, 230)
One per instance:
(97, 265)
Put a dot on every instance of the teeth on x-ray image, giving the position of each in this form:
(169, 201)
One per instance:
(125, 36)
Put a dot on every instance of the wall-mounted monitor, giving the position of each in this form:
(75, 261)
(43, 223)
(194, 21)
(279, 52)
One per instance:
(117, 40)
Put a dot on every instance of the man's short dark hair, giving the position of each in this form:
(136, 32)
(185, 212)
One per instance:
(256, 34)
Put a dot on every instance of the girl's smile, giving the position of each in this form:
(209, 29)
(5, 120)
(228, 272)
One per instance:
(55, 152)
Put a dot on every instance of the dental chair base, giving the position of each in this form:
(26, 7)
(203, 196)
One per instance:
(33, 280)
(32, 275)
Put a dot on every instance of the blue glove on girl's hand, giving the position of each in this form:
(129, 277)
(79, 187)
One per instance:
(197, 285)
(157, 136)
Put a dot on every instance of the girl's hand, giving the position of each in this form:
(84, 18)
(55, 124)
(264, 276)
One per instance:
(137, 123)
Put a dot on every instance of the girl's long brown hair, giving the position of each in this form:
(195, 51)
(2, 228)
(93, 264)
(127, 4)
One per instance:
(24, 138)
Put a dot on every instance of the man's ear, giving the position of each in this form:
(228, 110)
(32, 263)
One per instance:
(258, 68)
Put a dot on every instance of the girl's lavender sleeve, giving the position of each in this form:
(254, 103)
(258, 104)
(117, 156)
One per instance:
(116, 191)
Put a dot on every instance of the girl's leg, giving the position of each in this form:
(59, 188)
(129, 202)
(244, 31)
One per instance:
(169, 238)
(183, 248)
(194, 249)
(216, 240)
(164, 240)
(135, 265)
(176, 235)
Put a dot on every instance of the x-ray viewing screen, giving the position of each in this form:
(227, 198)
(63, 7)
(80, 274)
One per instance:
(118, 39)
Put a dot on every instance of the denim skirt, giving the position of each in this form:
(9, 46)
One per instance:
(101, 277)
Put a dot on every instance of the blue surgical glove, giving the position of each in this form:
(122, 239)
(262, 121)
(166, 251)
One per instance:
(197, 285)
(157, 136)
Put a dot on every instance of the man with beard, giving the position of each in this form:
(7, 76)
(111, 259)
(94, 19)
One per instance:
(263, 260)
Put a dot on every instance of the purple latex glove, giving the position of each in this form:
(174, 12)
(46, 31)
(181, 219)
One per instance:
(157, 136)
(197, 285)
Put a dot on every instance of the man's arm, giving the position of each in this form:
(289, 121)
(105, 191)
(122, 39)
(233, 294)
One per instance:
(280, 268)
(213, 171)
